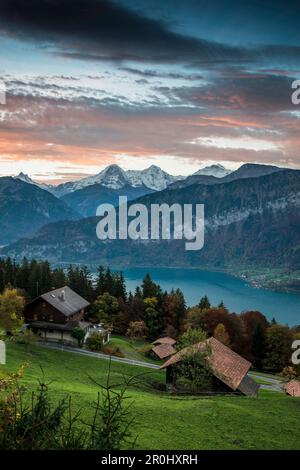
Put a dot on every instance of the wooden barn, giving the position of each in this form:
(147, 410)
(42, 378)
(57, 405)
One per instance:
(53, 315)
(229, 370)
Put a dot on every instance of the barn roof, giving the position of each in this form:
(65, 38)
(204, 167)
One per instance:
(163, 350)
(293, 388)
(227, 366)
(165, 340)
(65, 300)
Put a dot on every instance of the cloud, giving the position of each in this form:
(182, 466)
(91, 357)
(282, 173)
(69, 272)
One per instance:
(259, 93)
(104, 30)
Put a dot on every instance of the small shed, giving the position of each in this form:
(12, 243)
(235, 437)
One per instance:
(165, 340)
(229, 369)
(292, 388)
(163, 347)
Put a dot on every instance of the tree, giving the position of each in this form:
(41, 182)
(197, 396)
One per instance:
(193, 372)
(95, 342)
(258, 346)
(11, 310)
(149, 288)
(79, 334)
(104, 308)
(136, 329)
(153, 317)
(222, 305)
(221, 334)
(80, 280)
(28, 338)
(173, 307)
(190, 337)
(204, 303)
(278, 347)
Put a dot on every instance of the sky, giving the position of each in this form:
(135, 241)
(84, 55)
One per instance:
(182, 85)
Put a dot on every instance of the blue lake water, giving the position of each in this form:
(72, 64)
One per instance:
(236, 294)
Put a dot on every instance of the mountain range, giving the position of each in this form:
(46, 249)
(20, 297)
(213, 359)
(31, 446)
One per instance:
(24, 208)
(251, 221)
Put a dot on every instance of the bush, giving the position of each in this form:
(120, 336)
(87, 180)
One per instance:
(113, 351)
(95, 342)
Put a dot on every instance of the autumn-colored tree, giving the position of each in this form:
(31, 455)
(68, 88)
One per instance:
(104, 308)
(136, 329)
(173, 306)
(258, 348)
(278, 347)
(251, 320)
(221, 334)
(11, 310)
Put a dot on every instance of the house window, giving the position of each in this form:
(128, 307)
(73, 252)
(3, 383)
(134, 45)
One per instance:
(35, 316)
(51, 318)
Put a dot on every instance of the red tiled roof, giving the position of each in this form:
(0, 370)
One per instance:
(165, 340)
(163, 350)
(226, 365)
(293, 388)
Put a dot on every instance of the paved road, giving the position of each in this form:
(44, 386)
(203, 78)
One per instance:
(84, 352)
(273, 384)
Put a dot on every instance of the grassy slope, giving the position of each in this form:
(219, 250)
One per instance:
(134, 349)
(169, 422)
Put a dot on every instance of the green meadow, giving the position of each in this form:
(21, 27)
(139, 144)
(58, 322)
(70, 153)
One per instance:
(164, 421)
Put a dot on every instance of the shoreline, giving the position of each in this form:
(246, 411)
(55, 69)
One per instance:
(257, 278)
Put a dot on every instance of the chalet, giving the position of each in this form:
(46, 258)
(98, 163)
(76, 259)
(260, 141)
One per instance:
(54, 315)
(163, 347)
(292, 388)
(229, 370)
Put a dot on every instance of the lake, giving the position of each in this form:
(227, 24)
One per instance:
(236, 294)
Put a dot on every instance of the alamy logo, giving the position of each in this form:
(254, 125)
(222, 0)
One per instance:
(296, 353)
(296, 94)
(160, 222)
(2, 93)
(2, 352)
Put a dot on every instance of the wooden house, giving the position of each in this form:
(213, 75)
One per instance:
(53, 315)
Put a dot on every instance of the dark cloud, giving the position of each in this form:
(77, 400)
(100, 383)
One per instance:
(104, 30)
(254, 93)
(148, 73)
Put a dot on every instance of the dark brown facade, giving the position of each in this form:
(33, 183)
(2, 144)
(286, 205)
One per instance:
(41, 310)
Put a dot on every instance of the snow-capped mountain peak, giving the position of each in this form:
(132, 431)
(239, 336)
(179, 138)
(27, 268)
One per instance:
(111, 177)
(26, 178)
(153, 178)
(217, 170)
(23, 177)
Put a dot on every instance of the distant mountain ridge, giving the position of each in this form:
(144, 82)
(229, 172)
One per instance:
(217, 170)
(24, 208)
(114, 177)
(86, 200)
(251, 221)
(154, 178)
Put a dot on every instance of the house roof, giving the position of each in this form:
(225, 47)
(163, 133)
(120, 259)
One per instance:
(293, 388)
(65, 300)
(226, 365)
(165, 340)
(163, 350)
